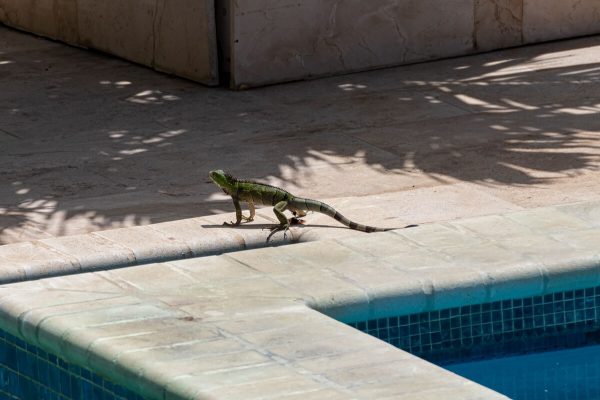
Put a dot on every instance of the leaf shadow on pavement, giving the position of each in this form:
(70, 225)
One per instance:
(91, 142)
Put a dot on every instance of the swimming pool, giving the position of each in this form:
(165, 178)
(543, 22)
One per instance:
(561, 374)
(479, 340)
(28, 372)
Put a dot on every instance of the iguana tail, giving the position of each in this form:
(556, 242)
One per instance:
(301, 203)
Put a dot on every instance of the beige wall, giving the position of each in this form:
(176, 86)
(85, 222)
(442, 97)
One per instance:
(53, 18)
(498, 24)
(557, 19)
(289, 39)
(282, 40)
(270, 41)
(175, 36)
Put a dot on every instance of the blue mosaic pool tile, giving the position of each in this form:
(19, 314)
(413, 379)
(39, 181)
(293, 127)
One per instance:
(28, 372)
(556, 320)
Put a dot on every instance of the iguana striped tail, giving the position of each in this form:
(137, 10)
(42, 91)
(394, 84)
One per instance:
(300, 203)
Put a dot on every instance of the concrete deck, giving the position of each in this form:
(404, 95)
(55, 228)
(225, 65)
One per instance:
(90, 142)
(246, 325)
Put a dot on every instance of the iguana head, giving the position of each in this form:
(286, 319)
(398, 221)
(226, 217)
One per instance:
(223, 180)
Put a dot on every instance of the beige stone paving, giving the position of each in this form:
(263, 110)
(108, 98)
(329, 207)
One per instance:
(258, 324)
(499, 132)
(90, 142)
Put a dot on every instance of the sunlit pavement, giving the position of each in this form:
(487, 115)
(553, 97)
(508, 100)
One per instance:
(90, 142)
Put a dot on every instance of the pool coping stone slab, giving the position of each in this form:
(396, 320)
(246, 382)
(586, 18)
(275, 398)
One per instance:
(279, 319)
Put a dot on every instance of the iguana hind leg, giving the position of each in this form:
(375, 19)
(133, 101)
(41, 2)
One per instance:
(284, 224)
(252, 212)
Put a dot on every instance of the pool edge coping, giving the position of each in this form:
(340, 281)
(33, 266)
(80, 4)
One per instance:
(311, 283)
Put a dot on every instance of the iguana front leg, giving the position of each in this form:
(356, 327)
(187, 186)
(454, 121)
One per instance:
(284, 224)
(238, 213)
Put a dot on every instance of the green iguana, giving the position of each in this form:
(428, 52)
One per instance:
(260, 193)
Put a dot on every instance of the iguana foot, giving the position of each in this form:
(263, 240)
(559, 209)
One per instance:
(247, 219)
(231, 223)
(278, 228)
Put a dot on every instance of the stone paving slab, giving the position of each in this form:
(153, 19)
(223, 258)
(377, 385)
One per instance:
(93, 143)
(258, 323)
(199, 237)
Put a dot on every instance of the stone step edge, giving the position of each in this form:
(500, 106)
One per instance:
(166, 241)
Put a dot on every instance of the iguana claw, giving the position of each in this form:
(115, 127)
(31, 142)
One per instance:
(277, 228)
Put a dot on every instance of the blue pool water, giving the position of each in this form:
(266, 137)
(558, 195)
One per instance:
(572, 374)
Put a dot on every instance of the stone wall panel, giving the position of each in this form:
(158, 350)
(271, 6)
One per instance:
(558, 19)
(277, 40)
(181, 29)
(175, 36)
(498, 24)
(124, 28)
